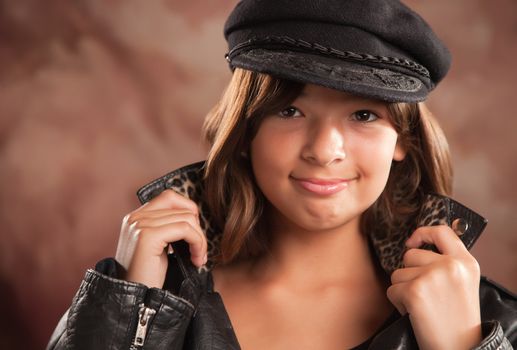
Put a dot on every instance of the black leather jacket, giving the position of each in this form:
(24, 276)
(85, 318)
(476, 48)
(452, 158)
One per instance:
(110, 313)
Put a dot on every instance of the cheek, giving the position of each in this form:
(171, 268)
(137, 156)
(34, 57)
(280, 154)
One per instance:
(266, 159)
(272, 152)
(273, 155)
(374, 159)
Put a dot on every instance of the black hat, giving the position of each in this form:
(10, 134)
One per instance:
(374, 48)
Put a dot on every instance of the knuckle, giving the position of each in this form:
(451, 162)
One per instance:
(408, 255)
(174, 197)
(394, 275)
(193, 208)
(199, 240)
(434, 232)
(390, 292)
(449, 233)
(134, 223)
(138, 234)
(144, 237)
(416, 291)
(168, 193)
(128, 218)
(137, 224)
(185, 229)
(419, 229)
(474, 266)
(195, 211)
(434, 276)
(437, 230)
(131, 218)
(184, 226)
(453, 266)
(443, 227)
(191, 217)
(456, 269)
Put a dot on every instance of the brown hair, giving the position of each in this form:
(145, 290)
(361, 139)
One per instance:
(235, 201)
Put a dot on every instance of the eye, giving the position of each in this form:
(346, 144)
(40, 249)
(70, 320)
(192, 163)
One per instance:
(364, 116)
(290, 112)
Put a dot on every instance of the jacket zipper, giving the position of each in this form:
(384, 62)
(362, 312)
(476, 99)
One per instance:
(144, 315)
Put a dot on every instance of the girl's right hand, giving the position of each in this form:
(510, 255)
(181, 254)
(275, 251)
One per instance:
(146, 233)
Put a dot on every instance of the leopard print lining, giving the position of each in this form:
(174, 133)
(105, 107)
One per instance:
(187, 181)
(389, 247)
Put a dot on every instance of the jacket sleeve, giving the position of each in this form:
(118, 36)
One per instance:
(108, 313)
(494, 337)
(499, 316)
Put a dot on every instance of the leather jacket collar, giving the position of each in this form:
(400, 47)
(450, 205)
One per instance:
(388, 246)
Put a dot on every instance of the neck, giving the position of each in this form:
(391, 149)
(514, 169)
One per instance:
(339, 255)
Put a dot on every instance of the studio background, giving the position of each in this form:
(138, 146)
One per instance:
(99, 97)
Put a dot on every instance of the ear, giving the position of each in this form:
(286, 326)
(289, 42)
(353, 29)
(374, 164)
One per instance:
(400, 152)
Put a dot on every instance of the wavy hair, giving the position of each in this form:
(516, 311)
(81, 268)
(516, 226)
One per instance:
(237, 204)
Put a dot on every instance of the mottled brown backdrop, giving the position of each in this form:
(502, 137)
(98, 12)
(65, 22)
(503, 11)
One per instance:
(99, 97)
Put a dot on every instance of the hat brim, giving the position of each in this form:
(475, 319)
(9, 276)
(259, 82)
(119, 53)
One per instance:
(335, 73)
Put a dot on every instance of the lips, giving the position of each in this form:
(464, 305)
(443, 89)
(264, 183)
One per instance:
(322, 187)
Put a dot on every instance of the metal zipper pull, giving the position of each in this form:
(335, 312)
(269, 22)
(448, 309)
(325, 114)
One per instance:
(144, 314)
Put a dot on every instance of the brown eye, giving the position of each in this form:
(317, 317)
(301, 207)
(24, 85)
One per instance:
(290, 112)
(365, 116)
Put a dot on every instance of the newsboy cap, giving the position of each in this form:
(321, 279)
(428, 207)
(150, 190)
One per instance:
(375, 48)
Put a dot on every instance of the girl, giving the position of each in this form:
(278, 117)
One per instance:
(319, 220)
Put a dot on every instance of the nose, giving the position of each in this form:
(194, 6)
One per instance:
(325, 143)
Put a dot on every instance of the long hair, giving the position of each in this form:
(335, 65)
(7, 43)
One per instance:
(237, 204)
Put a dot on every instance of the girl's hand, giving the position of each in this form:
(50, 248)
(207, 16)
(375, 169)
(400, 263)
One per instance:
(439, 291)
(146, 233)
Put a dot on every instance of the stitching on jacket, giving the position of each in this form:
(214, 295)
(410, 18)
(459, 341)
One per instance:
(174, 296)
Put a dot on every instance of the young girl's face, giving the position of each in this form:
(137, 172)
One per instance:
(322, 161)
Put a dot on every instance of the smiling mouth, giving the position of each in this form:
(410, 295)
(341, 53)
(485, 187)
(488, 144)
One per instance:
(322, 187)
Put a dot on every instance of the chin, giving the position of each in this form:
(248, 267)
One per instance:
(326, 224)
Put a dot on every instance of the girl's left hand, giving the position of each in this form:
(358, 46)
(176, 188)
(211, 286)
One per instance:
(439, 291)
